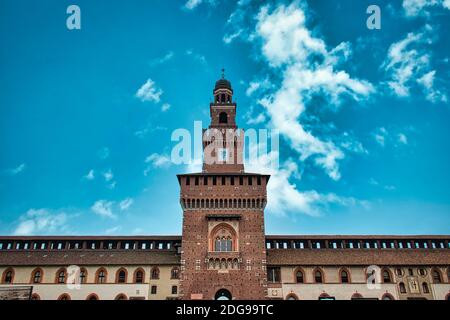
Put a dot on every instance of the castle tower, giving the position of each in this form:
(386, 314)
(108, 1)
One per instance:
(223, 253)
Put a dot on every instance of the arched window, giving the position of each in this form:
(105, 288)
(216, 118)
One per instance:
(101, 276)
(299, 278)
(356, 296)
(121, 296)
(121, 276)
(223, 118)
(8, 276)
(83, 275)
(92, 296)
(222, 97)
(318, 276)
(386, 276)
(155, 273)
(175, 273)
(64, 296)
(437, 278)
(61, 275)
(425, 288)
(345, 278)
(139, 276)
(36, 276)
(223, 238)
(35, 296)
(402, 287)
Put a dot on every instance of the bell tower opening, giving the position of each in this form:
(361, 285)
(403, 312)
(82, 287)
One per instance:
(223, 118)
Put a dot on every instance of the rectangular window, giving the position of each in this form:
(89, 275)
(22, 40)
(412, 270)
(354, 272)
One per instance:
(205, 181)
(250, 181)
(223, 181)
(241, 180)
(174, 289)
(214, 180)
(232, 181)
(273, 274)
(258, 181)
(196, 181)
(153, 290)
(188, 181)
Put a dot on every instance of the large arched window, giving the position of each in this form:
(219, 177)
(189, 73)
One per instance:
(387, 296)
(318, 276)
(291, 296)
(223, 238)
(139, 275)
(154, 273)
(101, 276)
(299, 276)
(121, 275)
(175, 273)
(36, 276)
(437, 277)
(386, 276)
(223, 118)
(61, 275)
(8, 276)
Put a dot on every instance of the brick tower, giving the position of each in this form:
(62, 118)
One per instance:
(223, 251)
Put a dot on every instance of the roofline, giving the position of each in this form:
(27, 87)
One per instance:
(267, 237)
(355, 237)
(93, 237)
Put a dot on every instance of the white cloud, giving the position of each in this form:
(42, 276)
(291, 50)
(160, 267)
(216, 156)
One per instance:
(149, 92)
(42, 221)
(165, 107)
(380, 136)
(307, 68)
(156, 160)
(112, 230)
(103, 208)
(408, 64)
(15, 171)
(168, 56)
(90, 175)
(126, 204)
(192, 4)
(402, 138)
(420, 7)
(283, 194)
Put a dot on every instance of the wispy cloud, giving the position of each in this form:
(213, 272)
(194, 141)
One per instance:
(165, 107)
(149, 92)
(42, 221)
(168, 56)
(408, 65)
(15, 171)
(197, 57)
(307, 68)
(103, 208)
(126, 204)
(156, 160)
(90, 175)
(415, 8)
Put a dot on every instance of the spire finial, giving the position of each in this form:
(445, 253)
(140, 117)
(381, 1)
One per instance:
(223, 73)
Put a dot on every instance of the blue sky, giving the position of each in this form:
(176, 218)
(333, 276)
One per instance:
(86, 115)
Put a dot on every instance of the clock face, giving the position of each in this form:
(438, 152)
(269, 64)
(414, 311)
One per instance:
(222, 154)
